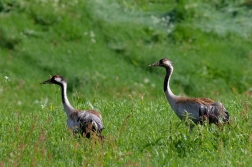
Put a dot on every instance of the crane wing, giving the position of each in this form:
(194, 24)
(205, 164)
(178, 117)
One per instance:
(86, 118)
(200, 111)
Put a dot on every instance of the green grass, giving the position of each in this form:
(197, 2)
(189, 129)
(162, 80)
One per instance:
(103, 49)
(138, 132)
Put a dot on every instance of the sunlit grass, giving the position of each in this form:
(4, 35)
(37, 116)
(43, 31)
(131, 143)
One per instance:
(136, 131)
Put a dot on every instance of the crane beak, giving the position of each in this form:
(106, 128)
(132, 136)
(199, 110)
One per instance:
(47, 82)
(155, 64)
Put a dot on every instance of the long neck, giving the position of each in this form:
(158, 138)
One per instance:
(67, 106)
(169, 95)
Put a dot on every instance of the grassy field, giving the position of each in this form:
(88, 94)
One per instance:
(103, 48)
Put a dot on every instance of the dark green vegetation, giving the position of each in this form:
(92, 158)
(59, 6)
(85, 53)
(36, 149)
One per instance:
(103, 48)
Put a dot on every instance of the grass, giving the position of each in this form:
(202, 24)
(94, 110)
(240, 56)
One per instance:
(103, 49)
(138, 132)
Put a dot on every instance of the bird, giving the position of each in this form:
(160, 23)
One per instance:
(85, 122)
(197, 109)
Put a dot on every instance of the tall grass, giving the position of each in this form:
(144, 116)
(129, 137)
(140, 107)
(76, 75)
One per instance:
(138, 132)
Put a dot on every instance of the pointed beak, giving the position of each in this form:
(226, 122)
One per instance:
(154, 64)
(47, 82)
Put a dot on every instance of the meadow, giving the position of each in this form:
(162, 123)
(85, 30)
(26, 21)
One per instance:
(103, 48)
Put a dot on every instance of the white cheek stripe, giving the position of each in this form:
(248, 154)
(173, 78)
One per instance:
(58, 79)
(167, 62)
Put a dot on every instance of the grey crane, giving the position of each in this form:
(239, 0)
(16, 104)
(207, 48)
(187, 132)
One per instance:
(86, 122)
(198, 109)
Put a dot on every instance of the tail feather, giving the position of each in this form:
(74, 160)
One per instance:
(215, 113)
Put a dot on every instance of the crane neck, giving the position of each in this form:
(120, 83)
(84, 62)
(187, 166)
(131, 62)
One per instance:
(169, 95)
(66, 104)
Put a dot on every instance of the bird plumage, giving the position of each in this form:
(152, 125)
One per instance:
(84, 122)
(199, 109)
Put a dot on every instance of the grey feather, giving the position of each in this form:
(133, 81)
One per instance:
(198, 113)
(216, 113)
(86, 117)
